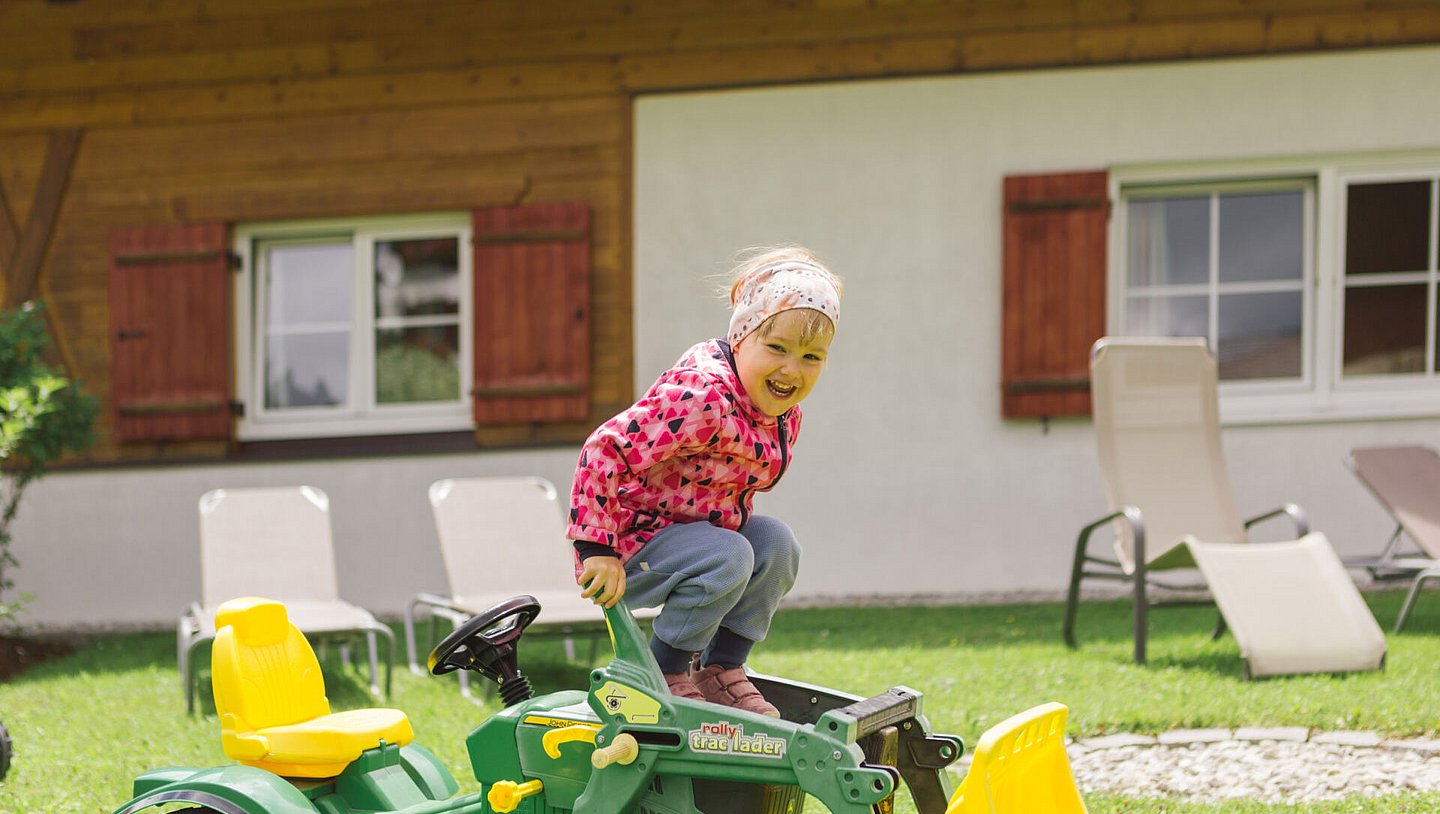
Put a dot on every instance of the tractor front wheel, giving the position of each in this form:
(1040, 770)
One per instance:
(6, 750)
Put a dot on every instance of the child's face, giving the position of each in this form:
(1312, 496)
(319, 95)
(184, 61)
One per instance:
(777, 366)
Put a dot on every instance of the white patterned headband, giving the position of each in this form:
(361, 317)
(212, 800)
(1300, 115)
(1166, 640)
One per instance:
(782, 286)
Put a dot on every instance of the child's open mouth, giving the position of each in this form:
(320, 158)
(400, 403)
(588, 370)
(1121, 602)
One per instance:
(780, 390)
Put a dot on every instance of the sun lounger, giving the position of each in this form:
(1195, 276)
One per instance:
(1172, 507)
(1406, 481)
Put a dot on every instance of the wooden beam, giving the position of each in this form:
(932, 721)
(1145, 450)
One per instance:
(361, 197)
(9, 235)
(224, 87)
(181, 70)
(225, 100)
(9, 242)
(459, 133)
(59, 347)
(24, 268)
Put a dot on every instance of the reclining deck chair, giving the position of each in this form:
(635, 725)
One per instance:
(1290, 604)
(499, 537)
(1406, 481)
(276, 542)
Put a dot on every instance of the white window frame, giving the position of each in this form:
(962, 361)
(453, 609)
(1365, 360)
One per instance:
(362, 415)
(1212, 288)
(1322, 393)
(1406, 381)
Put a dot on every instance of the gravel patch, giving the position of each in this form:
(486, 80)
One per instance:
(1209, 767)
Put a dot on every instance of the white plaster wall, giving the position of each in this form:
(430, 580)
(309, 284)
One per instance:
(906, 479)
(121, 546)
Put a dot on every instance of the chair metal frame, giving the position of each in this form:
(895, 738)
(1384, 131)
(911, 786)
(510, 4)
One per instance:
(1141, 577)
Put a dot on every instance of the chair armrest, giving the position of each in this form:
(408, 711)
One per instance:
(1132, 516)
(1297, 516)
(192, 621)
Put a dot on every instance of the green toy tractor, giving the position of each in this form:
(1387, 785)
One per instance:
(624, 746)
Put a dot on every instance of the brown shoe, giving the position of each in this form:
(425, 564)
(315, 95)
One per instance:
(732, 688)
(683, 685)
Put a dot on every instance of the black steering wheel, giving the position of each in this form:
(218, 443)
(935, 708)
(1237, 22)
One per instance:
(486, 644)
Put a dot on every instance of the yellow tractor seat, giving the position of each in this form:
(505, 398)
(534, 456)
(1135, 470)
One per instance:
(270, 697)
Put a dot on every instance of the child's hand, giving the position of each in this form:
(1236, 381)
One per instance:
(603, 579)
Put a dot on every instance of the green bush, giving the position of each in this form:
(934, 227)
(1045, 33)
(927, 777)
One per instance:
(42, 416)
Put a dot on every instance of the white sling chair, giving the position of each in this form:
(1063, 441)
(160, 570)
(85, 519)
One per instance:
(499, 537)
(1291, 606)
(274, 542)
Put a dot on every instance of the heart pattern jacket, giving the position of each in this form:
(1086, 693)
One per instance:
(694, 448)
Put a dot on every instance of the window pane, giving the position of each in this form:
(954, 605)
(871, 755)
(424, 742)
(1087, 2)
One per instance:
(309, 284)
(417, 364)
(1436, 363)
(1259, 335)
(1169, 241)
(1168, 316)
(307, 369)
(1384, 330)
(417, 277)
(1261, 236)
(1387, 227)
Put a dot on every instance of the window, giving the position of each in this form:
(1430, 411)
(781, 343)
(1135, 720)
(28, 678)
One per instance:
(354, 327)
(1389, 326)
(363, 326)
(1316, 283)
(1228, 263)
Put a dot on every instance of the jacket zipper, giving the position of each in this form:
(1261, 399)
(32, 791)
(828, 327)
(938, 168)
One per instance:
(784, 462)
(784, 455)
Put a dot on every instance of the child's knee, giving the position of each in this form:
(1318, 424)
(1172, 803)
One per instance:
(775, 545)
(729, 562)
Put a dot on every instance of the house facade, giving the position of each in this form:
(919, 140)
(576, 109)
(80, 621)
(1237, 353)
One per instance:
(368, 248)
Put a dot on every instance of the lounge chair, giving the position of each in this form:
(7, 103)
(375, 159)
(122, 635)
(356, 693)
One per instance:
(276, 542)
(1406, 481)
(1290, 604)
(1020, 767)
(502, 536)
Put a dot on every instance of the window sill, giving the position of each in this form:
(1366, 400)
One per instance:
(399, 423)
(355, 446)
(1301, 408)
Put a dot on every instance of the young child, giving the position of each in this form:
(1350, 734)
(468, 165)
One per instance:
(660, 510)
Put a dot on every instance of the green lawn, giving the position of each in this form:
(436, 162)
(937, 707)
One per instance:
(86, 724)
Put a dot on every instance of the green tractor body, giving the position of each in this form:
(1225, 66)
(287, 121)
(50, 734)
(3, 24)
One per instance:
(625, 746)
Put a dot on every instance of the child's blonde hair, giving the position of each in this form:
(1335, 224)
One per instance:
(754, 260)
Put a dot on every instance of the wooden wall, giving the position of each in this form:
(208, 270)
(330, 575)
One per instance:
(237, 110)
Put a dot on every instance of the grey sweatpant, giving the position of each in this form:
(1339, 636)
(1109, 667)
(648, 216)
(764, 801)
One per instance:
(703, 577)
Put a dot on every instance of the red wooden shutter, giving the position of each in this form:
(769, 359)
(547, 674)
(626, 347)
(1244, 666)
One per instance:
(532, 313)
(170, 340)
(1054, 291)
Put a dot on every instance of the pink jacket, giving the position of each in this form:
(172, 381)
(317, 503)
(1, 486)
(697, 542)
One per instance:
(692, 448)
